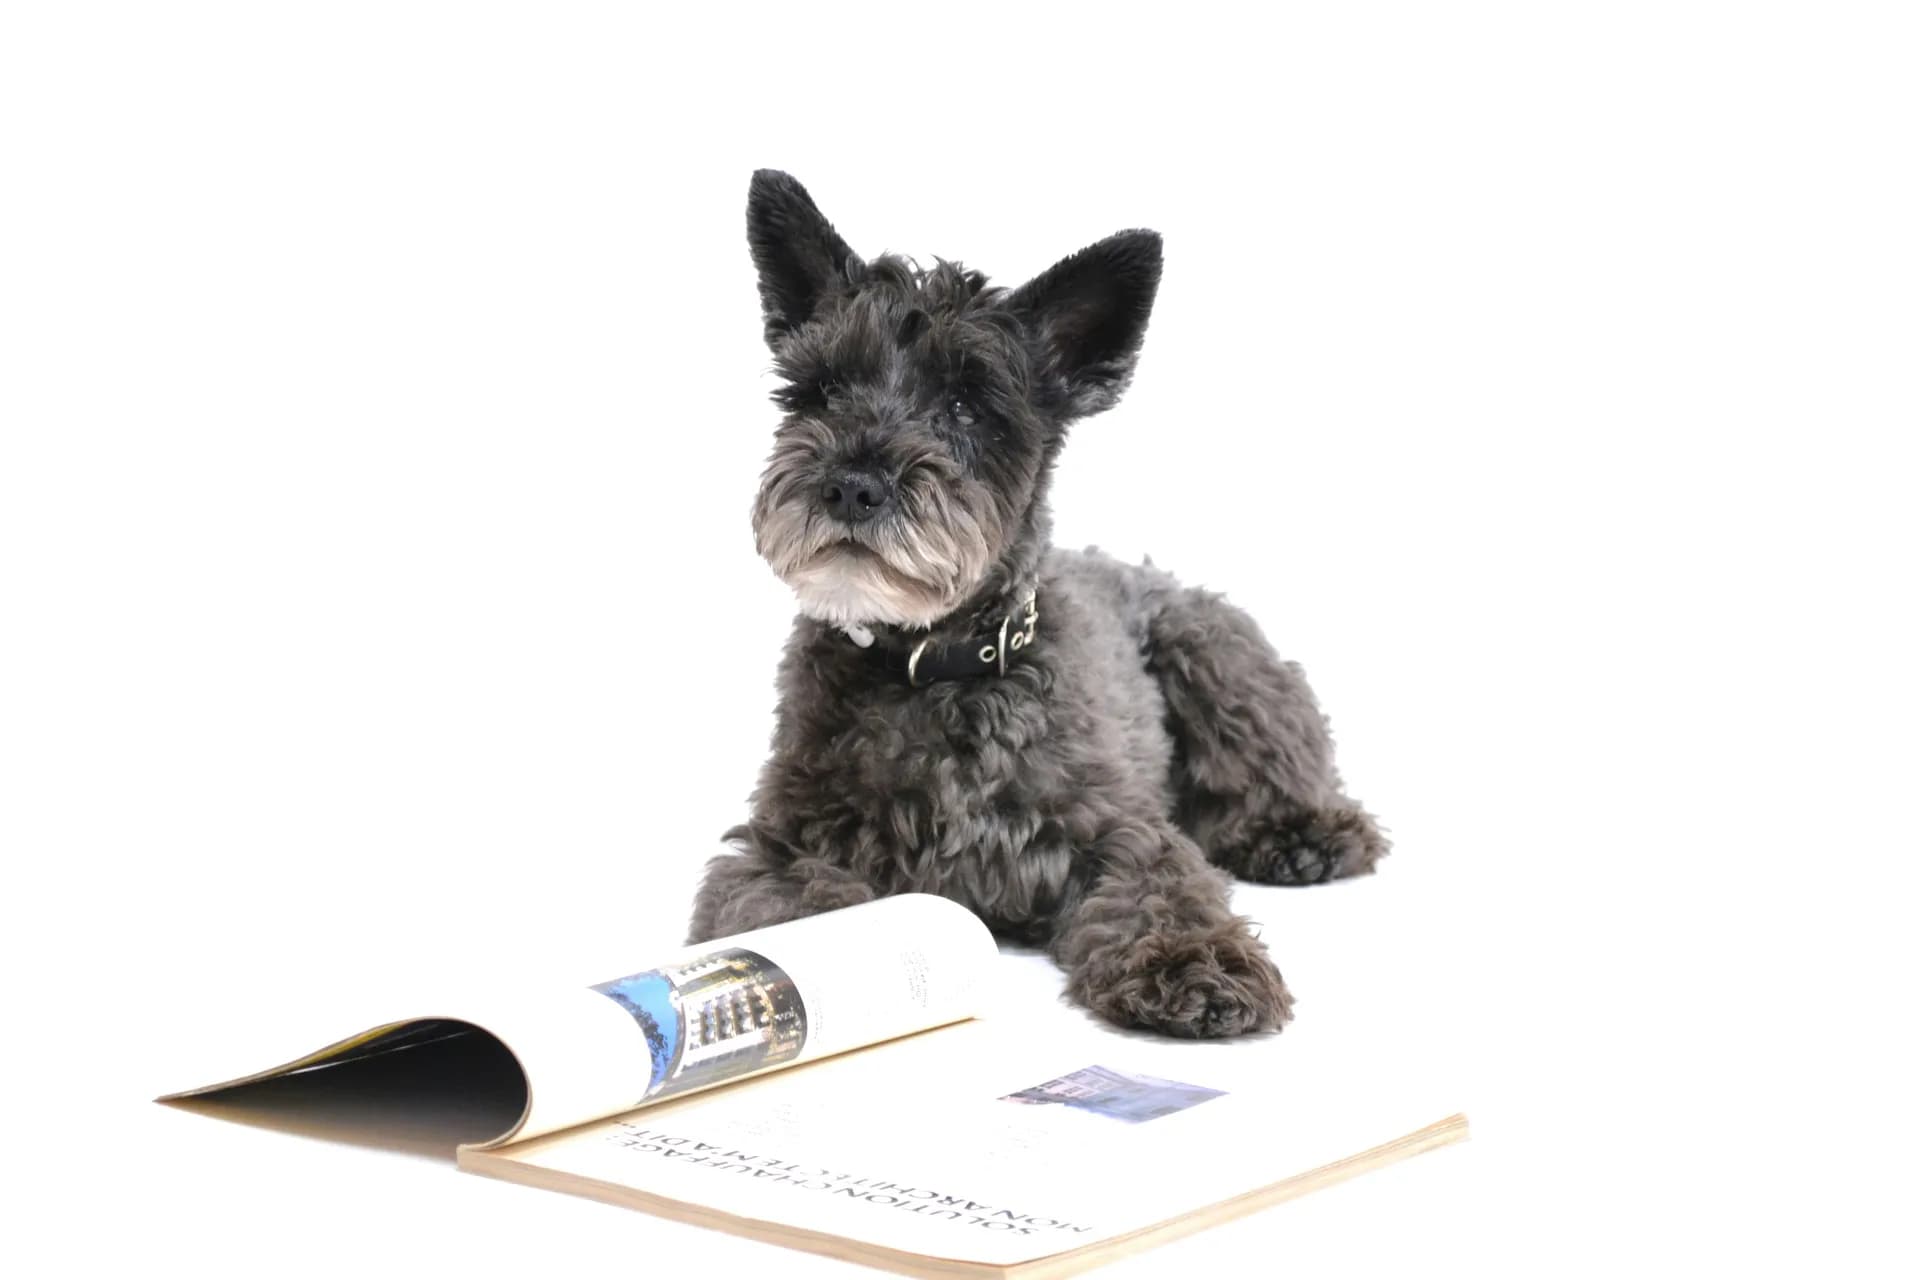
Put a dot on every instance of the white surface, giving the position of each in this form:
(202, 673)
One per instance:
(381, 403)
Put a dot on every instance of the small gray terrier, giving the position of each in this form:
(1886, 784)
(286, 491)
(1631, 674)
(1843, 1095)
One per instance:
(1071, 747)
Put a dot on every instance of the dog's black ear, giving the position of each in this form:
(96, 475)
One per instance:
(800, 257)
(1090, 311)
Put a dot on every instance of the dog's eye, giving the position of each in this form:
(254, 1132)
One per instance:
(960, 412)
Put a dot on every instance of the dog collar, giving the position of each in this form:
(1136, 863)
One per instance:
(985, 654)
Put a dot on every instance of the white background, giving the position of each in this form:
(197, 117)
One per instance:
(382, 398)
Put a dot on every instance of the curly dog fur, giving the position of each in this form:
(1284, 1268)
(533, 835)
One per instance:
(1090, 796)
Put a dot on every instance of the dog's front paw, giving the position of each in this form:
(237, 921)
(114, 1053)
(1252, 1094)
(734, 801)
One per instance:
(1200, 985)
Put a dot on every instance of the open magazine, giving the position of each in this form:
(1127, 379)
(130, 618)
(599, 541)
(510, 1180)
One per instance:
(842, 1084)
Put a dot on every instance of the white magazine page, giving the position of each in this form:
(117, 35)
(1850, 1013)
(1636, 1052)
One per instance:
(778, 997)
(706, 1014)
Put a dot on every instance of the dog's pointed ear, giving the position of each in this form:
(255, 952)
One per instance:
(801, 259)
(1090, 313)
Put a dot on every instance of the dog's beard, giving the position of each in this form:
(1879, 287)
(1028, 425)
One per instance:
(910, 567)
(847, 585)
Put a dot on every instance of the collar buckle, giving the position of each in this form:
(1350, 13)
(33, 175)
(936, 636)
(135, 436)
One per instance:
(987, 659)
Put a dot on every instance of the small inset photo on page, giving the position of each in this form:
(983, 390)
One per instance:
(1118, 1094)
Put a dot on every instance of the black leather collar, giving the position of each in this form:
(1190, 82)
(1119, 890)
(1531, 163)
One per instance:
(986, 653)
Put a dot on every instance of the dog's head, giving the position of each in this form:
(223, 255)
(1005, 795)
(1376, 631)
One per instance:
(923, 408)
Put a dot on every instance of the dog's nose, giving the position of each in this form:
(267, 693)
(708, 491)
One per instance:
(855, 496)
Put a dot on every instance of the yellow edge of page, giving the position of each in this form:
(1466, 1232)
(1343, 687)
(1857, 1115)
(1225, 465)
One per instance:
(1438, 1134)
(1072, 1262)
(314, 1059)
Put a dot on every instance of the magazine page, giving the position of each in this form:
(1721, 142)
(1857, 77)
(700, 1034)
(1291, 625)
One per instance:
(702, 1015)
(999, 1141)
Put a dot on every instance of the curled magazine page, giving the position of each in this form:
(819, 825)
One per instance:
(802, 990)
(699, 1017)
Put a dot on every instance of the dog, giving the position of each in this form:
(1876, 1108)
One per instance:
(1076, 749)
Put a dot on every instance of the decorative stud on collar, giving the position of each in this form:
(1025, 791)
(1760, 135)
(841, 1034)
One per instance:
(986, 654)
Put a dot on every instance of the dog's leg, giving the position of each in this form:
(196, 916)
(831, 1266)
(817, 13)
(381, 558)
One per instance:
(1254, 772)
(1154, 943)
(754, 888)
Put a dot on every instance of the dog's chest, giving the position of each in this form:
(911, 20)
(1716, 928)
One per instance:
(968, 791)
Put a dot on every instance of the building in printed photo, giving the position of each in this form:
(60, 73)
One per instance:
(741, 1014)
(717, 1016)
